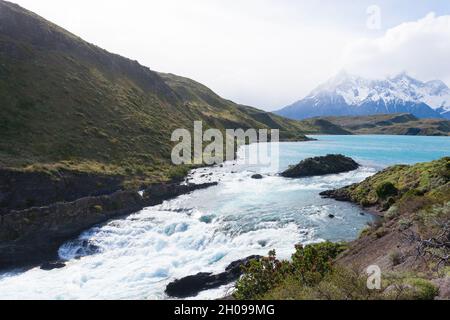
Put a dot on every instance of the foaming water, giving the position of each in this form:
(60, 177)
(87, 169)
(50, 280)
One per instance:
(136, 257)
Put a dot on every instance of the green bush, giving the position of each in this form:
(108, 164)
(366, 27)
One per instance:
(392, 213)
(365, 232)
(260, 276)
(385, 190)
(381, 232)
(340, 284)
(396, 258)
(313, 262)
(308, 266)
(178, 173)
(424, 289)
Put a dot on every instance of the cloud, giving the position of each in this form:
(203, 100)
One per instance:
(421, 48)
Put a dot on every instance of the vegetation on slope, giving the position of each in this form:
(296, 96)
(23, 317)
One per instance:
(400, 184)
(415, 204)
(312, 274)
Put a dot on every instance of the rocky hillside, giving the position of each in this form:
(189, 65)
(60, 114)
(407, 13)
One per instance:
(414, 202)
(393, 124)
(67, 103)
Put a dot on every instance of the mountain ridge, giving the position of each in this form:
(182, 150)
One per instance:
(347, 95)
(391, 124)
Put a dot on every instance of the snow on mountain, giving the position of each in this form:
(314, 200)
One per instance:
(347, 94)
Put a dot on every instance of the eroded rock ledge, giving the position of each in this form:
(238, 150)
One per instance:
(32, 236)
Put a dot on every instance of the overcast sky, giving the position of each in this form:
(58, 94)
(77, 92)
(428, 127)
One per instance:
(265, 53)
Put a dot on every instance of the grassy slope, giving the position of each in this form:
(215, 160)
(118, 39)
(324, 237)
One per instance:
(227, 114)
(65, 102)
(394, 183)
(397, 124)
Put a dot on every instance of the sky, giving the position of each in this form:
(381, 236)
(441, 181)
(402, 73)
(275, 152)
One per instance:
(265, 53)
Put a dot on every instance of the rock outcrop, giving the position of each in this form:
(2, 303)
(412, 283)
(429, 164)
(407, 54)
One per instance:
(319, 166)
(158, 193)
(192, 285)
(33, 236)
(338, 194)
(21, 189)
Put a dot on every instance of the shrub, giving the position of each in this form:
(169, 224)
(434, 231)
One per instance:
(178, 173)
(260, 276)
(386, 189)
(365, 232)
(396, 258)
(381, 232)
(309, 265)
(404, 224)
(392, 213)
(313, 262)
(423, 289)
(340, 284)
(409, 287)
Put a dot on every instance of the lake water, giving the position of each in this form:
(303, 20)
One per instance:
(136, 257)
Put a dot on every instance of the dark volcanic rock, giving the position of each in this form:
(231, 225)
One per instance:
(257, 176)
(22, 189)
(34, 235)
(339, 195)
(192, 285)
(48, 266)
(319, 166)
(31, 236)
(158, 193)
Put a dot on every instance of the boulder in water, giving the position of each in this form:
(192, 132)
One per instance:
(53, 265)
(192, 285)
(319, 166)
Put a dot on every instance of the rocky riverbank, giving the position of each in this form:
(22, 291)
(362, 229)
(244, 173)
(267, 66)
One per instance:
(32, 235)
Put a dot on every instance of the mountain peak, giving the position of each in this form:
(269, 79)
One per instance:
(340, 78)
(437, 85)
(405, 79)
(347, 94)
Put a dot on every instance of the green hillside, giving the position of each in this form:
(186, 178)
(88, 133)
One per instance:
(67, 103)
(394, 124)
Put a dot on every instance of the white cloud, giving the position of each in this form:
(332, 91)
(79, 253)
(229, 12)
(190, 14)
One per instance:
(421, 48)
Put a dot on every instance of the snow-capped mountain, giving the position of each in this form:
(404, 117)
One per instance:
(347, 94)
